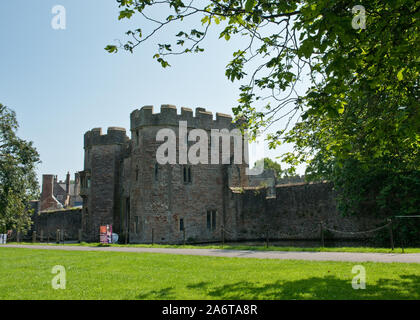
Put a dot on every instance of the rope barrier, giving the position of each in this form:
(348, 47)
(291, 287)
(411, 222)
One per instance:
(406, 216)
(358, 232)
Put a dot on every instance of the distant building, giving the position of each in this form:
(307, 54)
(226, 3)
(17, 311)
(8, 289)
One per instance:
(60, 194)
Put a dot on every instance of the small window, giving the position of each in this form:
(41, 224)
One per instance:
(156, 172)
(137, 173)
(136, 224)
(137, 138)
(211, 220)
(181, 224)
(208, 220)
(187, 174)
(88, 182)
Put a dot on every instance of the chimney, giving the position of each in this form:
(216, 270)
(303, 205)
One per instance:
(76, 184)
(68, 183)
(47, 190)
(47, 186)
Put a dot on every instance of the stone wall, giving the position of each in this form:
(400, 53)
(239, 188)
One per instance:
(294, 213)
(49, 221)
(145, 201)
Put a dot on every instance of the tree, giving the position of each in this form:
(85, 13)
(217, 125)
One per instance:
(18, 183)
(358, 119)
(270, 164)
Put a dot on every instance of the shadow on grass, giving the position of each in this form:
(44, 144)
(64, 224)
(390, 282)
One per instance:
(330, 287)
(162, 294)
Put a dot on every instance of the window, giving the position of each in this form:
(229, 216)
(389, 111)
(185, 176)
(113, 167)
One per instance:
(137, 173)
(137, 137)
(181, 224)
(211, 220)
(156, 172)
(187, 174)
(136, 224)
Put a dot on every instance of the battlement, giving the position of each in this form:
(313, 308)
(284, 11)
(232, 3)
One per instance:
(169, 116)
(114, 135)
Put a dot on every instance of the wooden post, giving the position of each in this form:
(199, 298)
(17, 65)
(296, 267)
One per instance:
(80, 235)
(18, 236)
(33, 236)
(153, 236)
(391, 236)
(41, 236)
(321, 227)
(58, 236)
(223, 236)
(184, 235)
(266, 238)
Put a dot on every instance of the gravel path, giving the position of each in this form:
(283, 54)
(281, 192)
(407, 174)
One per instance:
(290, 255)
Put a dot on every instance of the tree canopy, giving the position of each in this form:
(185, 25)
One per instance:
(18, 183)
(270, 164)
(358, 118)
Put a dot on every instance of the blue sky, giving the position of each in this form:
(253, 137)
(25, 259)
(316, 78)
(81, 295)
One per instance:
(62, 83)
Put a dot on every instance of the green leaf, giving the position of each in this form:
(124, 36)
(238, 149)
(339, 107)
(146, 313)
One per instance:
(111, 49)
(400, 75)
(249, 5)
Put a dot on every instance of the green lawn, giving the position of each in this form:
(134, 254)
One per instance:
(26, 274)
(246, 247)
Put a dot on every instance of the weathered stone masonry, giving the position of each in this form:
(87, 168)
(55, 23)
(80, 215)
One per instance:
(123, 184)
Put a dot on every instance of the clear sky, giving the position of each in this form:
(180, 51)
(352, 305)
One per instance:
(62, 83)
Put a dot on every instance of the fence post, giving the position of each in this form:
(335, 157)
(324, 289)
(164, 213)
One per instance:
(223, 236)
(18, 236)
(184, 236)
(33, 236)
(266, 238)
(80, 235)
(390, 234)
(402, 241)
(153, 236)
(41, 236)
(321, 228)
(58, 236)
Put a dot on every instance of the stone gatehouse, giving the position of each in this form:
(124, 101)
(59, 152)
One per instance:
(123, 184)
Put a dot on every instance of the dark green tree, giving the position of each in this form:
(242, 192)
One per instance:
(270, 164)
(18, 183)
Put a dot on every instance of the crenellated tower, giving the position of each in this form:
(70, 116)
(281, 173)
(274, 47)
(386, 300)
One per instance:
(163, 200)
(124, 183)
(100, 179)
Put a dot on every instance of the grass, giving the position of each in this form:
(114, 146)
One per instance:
(26, 274)
(244, 247)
